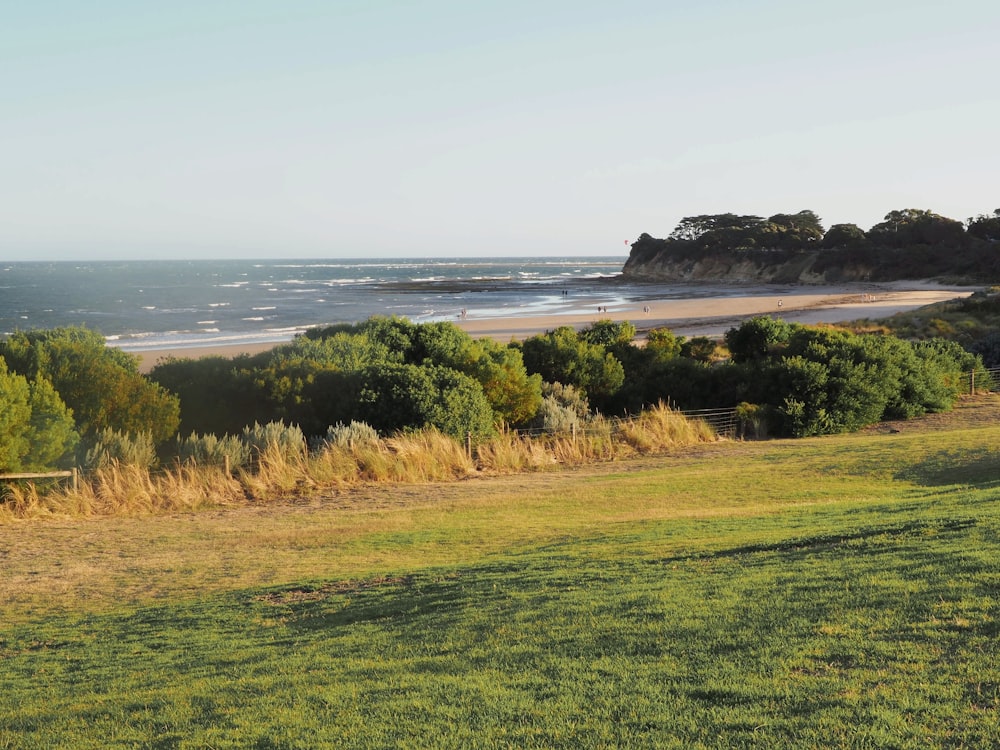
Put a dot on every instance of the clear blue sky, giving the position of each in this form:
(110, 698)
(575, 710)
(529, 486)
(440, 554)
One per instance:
(440, 127)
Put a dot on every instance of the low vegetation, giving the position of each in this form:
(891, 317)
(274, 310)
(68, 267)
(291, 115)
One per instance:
(273, 461)
(973, 322)
(389, 400)
(823, 592)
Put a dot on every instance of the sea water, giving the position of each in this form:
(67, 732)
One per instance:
(141, 305)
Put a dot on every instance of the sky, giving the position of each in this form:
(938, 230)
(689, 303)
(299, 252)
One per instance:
(343, 129)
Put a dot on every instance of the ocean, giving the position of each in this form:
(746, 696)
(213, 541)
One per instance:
(144, 305)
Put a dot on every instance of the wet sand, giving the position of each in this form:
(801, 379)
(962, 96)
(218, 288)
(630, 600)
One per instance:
(698, 316)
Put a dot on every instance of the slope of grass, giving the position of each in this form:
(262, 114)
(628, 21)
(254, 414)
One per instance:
(835, 592)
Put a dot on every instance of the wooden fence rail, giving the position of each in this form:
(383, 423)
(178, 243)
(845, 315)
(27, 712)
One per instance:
(71, 474)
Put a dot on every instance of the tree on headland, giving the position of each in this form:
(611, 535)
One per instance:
(985, 226)
(912, 226)
(795, 231)
(734, 232)
(844, 236)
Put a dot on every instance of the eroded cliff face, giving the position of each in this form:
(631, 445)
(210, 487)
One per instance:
(729, 269)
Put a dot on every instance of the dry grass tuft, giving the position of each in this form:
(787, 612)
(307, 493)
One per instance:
(660, 428)
(511, 453)
(428, 456)
(417, 457)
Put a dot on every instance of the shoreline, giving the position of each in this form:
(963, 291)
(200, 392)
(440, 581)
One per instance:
(709, 316)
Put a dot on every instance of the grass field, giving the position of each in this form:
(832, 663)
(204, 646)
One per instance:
(831, 592)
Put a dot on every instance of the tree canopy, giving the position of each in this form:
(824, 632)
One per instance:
(100, 384)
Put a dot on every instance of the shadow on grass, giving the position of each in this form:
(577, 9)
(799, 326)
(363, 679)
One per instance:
(946, 467)
(441, 597)
(825, 542)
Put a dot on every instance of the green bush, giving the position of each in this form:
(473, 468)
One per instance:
(561, 356)
(100, 384)
(757, 339)
(36, 429)
(398, 397)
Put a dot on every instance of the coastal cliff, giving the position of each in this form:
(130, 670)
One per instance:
(794, 248)
(654, 260)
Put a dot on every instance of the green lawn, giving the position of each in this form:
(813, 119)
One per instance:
(834, 592)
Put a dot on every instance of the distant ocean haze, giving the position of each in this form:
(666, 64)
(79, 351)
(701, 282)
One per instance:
(142, 305)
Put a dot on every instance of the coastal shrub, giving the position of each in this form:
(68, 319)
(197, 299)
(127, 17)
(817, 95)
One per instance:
(52, 435)
(758, 338)
(316, 380)
(561, 356)
(211, 450)
(563, 407)
(700, 348)
(348, 436)
(274, 438)
(15, 414)
(663, 343)
(553, 416)
(512, 393)
(752, 420)
(609, 333)
(820, 380)
(988, 347)
(111, 447)
(36, 429)
(101, 385)
(398, 397)
(217, 394)
(337, 348)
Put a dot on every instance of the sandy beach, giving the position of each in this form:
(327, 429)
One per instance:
(708, 316)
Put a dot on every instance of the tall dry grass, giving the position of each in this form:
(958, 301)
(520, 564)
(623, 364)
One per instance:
(660, 428)
(424, 456)
(510, 453)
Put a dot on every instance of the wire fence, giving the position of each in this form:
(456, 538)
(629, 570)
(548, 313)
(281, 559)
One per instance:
(725, 421)
(976, 382)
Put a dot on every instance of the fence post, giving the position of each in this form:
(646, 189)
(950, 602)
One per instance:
(76, 480)
(468, 444)
(574, 434)
(972, 383)
(225, 466)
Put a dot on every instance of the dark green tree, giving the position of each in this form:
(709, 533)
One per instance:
(101, 385)
(758, 338)
(561, 356)
(396, 397)
(797, 231)
(845, 237)
(36, 428)
(985, 226)
(912, 226)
